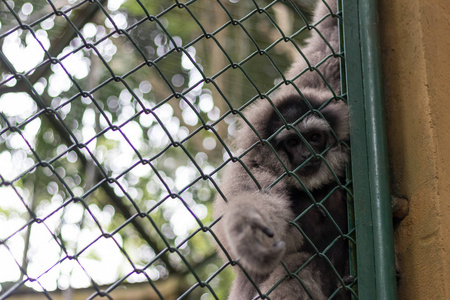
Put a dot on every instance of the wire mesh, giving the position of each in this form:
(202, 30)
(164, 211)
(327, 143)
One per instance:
(115, 122)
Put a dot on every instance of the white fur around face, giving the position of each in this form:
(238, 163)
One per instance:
(313, 122)
(310, 122)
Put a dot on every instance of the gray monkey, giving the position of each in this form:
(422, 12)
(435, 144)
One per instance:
(284, 201)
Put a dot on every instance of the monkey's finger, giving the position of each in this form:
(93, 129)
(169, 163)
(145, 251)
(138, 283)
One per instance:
(279, 245)
(257, 221)
(267, 231)
(264, 228)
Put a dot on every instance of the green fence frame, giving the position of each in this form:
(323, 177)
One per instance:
(373, 218)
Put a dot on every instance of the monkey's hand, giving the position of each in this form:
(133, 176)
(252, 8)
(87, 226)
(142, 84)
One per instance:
(253, 237)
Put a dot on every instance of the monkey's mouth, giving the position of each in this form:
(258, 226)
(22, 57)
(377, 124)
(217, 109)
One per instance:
(310, 168)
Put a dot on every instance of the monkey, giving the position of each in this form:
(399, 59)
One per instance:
(282, 202)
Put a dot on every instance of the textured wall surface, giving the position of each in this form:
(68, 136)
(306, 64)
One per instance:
(415, 43)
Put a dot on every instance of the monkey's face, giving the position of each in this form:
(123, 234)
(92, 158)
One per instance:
(307, 138)
(304, 145)
(308, 143)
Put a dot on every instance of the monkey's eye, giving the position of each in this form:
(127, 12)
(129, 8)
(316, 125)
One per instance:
(315, 137)
(292, 142)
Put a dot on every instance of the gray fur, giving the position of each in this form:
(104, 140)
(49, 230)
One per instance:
(255, 228)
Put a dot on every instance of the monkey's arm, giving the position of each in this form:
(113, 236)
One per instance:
(255, 223)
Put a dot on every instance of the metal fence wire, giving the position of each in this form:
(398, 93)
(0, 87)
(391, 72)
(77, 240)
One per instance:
(115, 125)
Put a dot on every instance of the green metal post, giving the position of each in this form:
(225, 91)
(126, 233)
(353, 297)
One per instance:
(375, 245)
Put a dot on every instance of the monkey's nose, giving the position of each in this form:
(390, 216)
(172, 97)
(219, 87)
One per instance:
(306, 155)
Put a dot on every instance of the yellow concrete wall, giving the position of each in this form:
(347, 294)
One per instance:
(415, 42)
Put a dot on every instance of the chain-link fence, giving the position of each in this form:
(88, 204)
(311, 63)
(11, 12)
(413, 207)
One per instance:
(115, 125)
